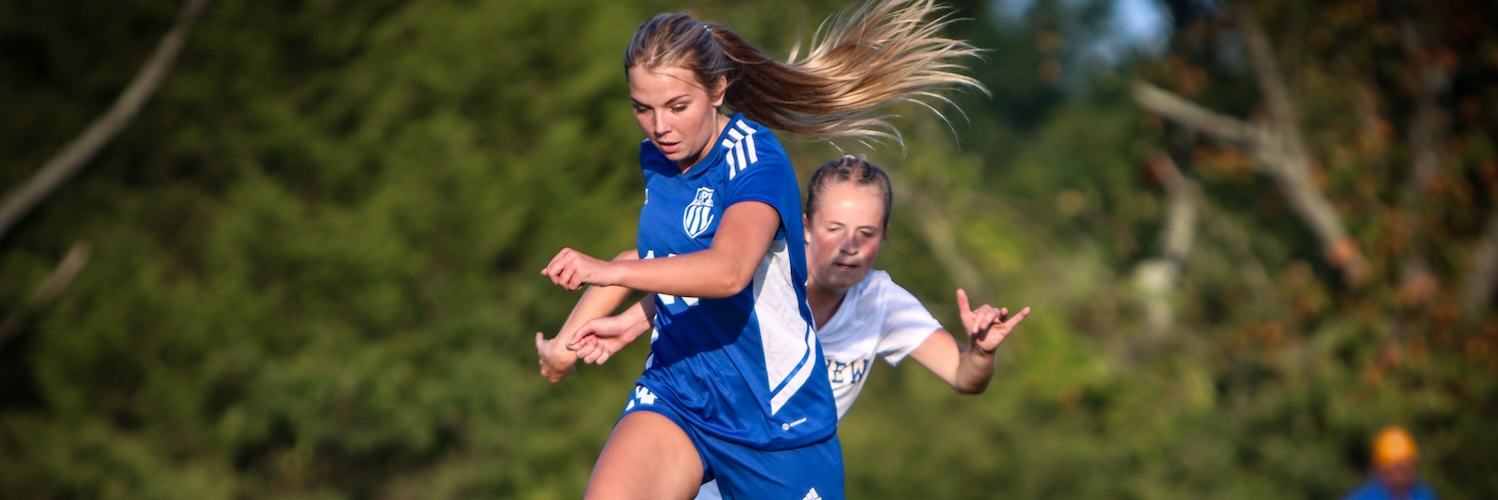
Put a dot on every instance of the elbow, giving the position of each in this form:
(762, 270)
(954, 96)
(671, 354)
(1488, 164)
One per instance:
(729, 280)
(728, 284)
(972, 388)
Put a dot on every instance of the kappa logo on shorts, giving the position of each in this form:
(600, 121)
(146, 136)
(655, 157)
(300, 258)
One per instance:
(699, 215)
(643, 396)
(812, 495)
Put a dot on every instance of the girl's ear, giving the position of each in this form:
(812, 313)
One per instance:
(806, 229)
(721, 88)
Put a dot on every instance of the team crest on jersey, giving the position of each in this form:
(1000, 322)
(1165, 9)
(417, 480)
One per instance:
(699, 215)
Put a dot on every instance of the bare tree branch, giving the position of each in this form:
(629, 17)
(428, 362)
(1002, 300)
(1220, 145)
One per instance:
(1285, 156)
(1283, 113)
(1278, 147)
(50, 288)
(73, 157)
(1164, 103)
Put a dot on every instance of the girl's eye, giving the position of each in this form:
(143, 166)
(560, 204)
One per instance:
(678, 109)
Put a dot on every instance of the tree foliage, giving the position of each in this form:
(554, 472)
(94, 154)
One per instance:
(315, 252)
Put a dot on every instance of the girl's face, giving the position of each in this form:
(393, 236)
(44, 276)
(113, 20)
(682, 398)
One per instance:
(843, 235)
(679, 116)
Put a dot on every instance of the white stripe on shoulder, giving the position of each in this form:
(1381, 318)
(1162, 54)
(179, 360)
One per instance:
(741, 153)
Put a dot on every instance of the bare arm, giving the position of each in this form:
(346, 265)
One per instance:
(557, 360)
(968, 369)
(598, 340)
(722, 270)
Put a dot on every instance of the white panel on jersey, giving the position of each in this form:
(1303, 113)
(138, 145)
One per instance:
(787, 339)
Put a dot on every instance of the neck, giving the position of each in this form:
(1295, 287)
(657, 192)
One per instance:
(824, 301)
(719, 122)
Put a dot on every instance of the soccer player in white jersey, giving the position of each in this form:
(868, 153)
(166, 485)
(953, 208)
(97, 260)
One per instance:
(860, 313)
(733, 390)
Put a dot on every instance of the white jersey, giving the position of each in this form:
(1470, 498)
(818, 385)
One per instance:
(878, 318)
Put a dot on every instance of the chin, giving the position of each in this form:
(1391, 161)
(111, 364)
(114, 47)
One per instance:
(847, 281)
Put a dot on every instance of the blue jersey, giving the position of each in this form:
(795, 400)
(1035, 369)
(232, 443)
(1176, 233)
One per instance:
(746, 368)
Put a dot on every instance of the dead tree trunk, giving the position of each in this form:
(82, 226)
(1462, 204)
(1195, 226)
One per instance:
(1156, 278)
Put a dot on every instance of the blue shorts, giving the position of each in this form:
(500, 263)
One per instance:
(812, 472)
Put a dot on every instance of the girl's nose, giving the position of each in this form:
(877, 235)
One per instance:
(660, 125)
(849, 245)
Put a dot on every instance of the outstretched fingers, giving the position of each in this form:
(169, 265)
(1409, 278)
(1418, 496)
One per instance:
(1000, 330)
(966, 313)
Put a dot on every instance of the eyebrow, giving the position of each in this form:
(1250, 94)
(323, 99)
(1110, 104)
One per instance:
(848, 225)
(668, 101)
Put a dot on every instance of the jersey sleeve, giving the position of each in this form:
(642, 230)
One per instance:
(906, 323)
(759, 170)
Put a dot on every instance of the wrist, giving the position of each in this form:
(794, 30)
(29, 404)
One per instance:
(612, 273)
(977, 350)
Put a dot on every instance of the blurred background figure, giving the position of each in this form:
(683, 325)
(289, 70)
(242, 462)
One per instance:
(1394, 460)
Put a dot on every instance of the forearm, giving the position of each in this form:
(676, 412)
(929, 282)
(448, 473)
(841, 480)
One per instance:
(707, 273)
(596, 302)
(975, 370)
(743, 238)
(641, 317)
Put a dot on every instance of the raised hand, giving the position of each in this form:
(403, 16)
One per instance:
(986, 326)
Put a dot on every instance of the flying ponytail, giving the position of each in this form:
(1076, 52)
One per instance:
(883, 52)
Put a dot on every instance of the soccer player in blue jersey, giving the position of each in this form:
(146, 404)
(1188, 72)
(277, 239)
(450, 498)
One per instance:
(734, 388)
(860, 313)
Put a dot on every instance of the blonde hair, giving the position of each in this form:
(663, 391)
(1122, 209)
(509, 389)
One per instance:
(883, 52)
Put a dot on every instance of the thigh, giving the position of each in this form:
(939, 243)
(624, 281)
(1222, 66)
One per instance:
(647, 457)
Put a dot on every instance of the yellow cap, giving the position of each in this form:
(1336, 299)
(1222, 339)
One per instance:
(1392, 445)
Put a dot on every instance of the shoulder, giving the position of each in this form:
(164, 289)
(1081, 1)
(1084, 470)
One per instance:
(880, 284)
(750, 145)
(741, 127)
(879, 296)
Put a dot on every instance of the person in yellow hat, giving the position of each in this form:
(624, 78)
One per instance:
(1393, 478)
